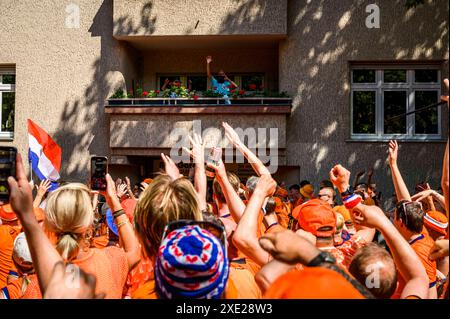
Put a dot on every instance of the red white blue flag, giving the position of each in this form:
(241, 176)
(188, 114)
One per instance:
(44, 154)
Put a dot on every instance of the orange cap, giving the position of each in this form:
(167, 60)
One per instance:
(148, 180)
(7, 213)
(312, 283)
(315, 214)
(437, 221)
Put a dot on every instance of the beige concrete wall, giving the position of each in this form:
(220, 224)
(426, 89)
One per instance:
(193, 61)
(179, 17)
(322, 37)
(64, 75)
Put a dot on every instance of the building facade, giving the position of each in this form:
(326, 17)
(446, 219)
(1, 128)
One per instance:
(348, 67)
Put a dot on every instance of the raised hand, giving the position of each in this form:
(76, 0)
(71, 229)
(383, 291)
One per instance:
(219, 169)
(369, 216)
(393, 152)
(266, 185)
(121, 190)
(111, 194)
(170, 167)
(198, 149)
(21, 198)
(231, 134)
(144, 186)
(43, 188)
(340, 177)
(208, 59)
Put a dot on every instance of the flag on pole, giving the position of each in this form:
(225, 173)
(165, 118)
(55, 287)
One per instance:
(44, 154)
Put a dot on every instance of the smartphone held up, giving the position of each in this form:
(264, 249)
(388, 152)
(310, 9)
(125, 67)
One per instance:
(99, 169)
(7, 168)
(214, 158)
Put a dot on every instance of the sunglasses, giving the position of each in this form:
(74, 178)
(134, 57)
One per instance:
(217, 230)
(404, 206)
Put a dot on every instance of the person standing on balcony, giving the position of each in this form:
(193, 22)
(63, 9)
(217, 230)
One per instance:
(220, 83)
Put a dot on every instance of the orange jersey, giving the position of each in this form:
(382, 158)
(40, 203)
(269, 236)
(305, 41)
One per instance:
(139, 275)
(110, 266)
(244, 281)
(422, 245)
(7, 235)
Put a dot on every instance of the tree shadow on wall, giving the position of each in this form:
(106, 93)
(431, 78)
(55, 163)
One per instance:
(84, 128)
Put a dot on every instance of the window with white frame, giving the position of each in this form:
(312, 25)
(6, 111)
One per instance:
(380, 97)
(7, 102)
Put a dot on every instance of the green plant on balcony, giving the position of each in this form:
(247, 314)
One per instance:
(177, 91)
(211, 93)
(236, 93)
(118, 94)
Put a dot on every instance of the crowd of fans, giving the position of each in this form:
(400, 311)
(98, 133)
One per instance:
(166, 239)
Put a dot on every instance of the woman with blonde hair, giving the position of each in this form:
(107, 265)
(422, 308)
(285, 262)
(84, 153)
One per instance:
(69, 215)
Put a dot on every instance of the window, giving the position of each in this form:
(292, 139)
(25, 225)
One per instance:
(7, 102)
(380, 97)
(252, 82)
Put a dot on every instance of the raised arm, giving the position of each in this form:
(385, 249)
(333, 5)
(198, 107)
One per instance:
(198, 155)
(357, 178)
(256, 163)
(400, 187)
(406, 260)
(166, 82)
(43, 254)
(229, 80)
(245, 236)
(43, 188)
(234, 202)
(127, 236)
(340, 177)
(208, 62)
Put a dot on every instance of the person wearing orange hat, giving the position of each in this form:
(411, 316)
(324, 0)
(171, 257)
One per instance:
(318, 218)
(321, 278)
(306, 192)
(436, 223)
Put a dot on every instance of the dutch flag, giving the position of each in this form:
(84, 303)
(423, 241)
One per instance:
(44, 154)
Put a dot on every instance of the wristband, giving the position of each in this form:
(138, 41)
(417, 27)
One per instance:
(122, 223)
(352, 201)
(347, 192)
(118, 213)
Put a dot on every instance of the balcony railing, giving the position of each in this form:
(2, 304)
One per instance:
(201, 101)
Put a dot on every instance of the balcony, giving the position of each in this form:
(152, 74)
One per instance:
(198, 17)
(146, 127)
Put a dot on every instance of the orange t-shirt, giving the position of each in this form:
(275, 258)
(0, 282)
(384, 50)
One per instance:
(16, 289)
(139, 275)
(422, 245)
(7, 235)
(244, 281)
(110, 266)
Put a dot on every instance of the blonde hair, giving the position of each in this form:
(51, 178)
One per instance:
(69, 215)
(162, 202)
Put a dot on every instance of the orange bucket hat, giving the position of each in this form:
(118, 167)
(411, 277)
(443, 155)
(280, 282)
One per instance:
(437, 221)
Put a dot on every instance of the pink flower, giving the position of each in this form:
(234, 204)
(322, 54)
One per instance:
(145, 93)
(195, 97)
(157, 91)
(241, 92)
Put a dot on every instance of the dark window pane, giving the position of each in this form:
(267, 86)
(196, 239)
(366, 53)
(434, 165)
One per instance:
(252, 82)
(426, 120)
(364, 112)
(162, 79)
(423, 76)
(395, 76)
(9, 79)
(363, 76)
(8, 102)
(394, 104)
(199, 83)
